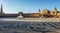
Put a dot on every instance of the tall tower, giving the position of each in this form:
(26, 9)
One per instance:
(1, 9)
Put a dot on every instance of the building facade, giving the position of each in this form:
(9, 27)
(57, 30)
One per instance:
(43, 14)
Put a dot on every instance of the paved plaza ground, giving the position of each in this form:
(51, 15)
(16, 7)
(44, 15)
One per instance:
(26, 25)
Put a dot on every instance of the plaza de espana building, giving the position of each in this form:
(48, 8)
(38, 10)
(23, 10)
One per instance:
(43, 14)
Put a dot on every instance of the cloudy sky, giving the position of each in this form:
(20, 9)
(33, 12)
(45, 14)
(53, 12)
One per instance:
(28, 6)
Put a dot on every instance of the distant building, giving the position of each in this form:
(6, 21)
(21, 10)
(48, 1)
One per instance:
(45, 14)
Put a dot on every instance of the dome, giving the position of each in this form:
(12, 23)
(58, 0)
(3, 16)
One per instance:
(45, 11)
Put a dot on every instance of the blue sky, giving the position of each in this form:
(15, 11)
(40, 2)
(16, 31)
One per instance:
(29, 6)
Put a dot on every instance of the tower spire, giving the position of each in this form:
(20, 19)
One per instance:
(55, 8)
(39, 10)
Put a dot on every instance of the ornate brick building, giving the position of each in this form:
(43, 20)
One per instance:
(45, 14)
